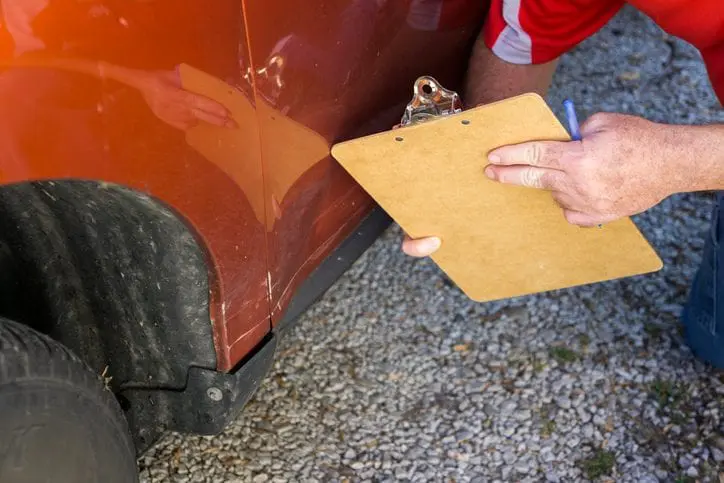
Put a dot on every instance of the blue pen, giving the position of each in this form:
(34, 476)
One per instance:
(572, 120)
(573, 126)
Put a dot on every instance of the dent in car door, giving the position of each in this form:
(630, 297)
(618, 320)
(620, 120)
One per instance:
(327, 70)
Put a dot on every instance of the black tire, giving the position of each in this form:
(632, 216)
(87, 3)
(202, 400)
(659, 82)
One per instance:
(58, 423)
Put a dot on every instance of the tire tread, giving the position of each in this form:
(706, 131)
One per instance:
(27, 354)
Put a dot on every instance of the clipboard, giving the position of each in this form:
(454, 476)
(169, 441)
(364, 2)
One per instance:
(498, 241)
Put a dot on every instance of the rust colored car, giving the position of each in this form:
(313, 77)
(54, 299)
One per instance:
(168, 204)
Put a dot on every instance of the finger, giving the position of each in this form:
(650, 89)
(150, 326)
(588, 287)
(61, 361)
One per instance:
(580, 219)
(182, 125)
(180, 119)
(565, 200)
(587, 220)
(207, 105)
(529, 176)
(212, 118)
(543, 154)
(421, 247)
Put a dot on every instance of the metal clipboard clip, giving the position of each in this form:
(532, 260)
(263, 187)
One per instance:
(430, 100)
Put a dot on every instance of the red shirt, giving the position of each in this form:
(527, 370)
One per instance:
(538, 31)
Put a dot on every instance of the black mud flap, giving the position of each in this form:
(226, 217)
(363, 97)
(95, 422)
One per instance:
(208, 403)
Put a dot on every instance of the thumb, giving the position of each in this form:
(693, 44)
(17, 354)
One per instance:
(421, 247)
(596, 123)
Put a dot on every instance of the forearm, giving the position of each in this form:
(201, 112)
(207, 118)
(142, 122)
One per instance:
(102, 70)
(490, 79)
(697, 157)
(93, 68)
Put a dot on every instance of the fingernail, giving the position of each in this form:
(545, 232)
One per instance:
(429, 245)
(494, 158)
(490, 173)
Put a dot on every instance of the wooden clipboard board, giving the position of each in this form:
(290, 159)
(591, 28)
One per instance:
(498, 241)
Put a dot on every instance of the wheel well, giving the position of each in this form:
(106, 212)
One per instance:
(111, 273)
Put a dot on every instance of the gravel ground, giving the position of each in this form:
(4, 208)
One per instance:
(395, 375)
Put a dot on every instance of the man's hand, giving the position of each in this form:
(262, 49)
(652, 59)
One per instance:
(178, 107)
(624, 165)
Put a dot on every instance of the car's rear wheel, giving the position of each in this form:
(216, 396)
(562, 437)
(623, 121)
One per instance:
(58, 423)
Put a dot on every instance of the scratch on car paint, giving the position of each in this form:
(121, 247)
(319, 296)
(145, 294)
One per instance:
(253, 328)
(316, 254)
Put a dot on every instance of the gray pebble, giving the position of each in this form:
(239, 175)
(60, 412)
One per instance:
(583, 415)
(661, 474)
(546, 457)
(573, 441)
(599, 420)
(717, 454)
(719, 440)
(474, 386)
(505, 472)
(523, 466)
(507, 408)
(552, 477)
(563, 402)
(524, 415)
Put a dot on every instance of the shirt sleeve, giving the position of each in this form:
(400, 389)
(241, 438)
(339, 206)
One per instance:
(538, 31)
(714, 59)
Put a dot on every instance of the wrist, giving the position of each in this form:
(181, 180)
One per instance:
(123, 75)
(696, 158)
